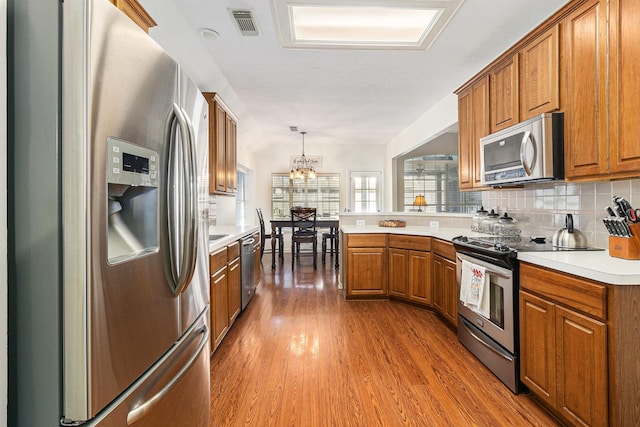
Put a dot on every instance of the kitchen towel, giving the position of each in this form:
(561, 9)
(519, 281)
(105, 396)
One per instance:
(473, 282)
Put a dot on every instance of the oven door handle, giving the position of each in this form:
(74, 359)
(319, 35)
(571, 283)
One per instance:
(493, 348)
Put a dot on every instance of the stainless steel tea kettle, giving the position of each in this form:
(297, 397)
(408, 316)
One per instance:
(569, 237)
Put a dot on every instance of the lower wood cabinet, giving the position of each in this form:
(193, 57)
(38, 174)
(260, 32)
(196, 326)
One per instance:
(225, 290)
(563, 350)
(445, 288)
(234, 285)
(410, 269)
(366, 265)
(219, 288)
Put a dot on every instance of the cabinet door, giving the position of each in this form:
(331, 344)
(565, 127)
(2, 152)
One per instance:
(473, 124)
(366, 271)
(450, 291)
(537, 347)
(539, 75)
(419, 280)
(581, 346)
(220, 148)
(504, 94)
(219, 307)
(584, 90)
(398, 269)
(438, 283)
(231, 167)
(624, 87)
(481, 128)
(465, 140)
(234, 290)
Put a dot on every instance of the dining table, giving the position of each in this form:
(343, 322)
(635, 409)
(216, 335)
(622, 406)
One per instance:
(277, 225)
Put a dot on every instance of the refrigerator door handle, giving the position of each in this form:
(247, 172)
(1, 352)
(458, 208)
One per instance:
(140, 411)
(181, 202)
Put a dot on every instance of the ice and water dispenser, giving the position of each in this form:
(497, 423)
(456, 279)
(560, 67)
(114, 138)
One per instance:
(132, 205)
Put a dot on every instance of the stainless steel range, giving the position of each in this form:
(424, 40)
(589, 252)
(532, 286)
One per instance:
(490, 329)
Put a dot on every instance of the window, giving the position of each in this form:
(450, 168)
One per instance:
(241, 198)
(322, 193)
(366, 191)
(436, 177)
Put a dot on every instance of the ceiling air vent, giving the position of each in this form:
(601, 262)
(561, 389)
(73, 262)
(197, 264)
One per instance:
(246, 22)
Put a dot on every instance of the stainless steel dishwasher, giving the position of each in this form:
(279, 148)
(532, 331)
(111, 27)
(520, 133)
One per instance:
(246, 266)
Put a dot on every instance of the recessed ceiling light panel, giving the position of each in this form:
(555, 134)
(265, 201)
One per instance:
(361, 24)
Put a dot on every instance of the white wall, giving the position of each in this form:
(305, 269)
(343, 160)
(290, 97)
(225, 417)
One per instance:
(336, 158)
(431, 124)
(3, 213)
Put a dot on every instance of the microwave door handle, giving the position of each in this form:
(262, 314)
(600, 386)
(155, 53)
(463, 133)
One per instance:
(523, 153)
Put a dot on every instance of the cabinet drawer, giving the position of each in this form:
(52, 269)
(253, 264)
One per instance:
(366, 240)
(443, 248)
(581, 294)
(217, 260)
(403, 241)
(233, 251)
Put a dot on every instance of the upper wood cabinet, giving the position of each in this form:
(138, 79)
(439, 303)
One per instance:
(222, 147)
(584, 66)
(540, 74)
(473, 120)
(505, 96)
(624, 87)
(136, 12)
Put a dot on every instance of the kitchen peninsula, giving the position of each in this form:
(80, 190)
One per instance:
(565, 292)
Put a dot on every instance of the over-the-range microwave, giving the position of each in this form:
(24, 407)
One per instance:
(532, 150)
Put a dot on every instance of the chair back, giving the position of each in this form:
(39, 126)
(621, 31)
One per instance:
(261, 220)
(303, 221)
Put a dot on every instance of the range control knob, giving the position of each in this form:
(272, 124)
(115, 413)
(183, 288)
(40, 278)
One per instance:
(501, 247)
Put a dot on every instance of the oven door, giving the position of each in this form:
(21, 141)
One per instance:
(500, 325)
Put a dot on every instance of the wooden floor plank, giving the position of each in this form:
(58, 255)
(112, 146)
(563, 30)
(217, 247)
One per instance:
(300, 355)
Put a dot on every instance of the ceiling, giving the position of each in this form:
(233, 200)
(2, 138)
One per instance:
(339, 96)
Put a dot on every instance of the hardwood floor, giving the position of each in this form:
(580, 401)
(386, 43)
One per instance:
(300, 355)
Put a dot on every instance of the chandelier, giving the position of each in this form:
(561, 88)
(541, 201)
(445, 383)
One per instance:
(302, 167)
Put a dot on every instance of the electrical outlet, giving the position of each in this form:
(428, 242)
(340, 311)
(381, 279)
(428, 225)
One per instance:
(359, 221)
(434, 224)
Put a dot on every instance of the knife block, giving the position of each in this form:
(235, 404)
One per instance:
(626, 247)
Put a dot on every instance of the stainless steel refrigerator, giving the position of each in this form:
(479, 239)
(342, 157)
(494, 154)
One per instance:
(108, 219)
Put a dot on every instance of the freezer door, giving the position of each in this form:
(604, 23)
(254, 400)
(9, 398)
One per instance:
(120, 314)
(174, 393)
(196, 296)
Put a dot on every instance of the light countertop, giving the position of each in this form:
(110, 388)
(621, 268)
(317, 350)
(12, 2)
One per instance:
(230, 233)
(594, 265)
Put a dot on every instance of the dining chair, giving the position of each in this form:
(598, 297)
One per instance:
(303, 221)
(264, 236)
(332, 236)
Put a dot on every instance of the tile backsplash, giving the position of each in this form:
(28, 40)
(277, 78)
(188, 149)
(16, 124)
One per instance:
(541, 208)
